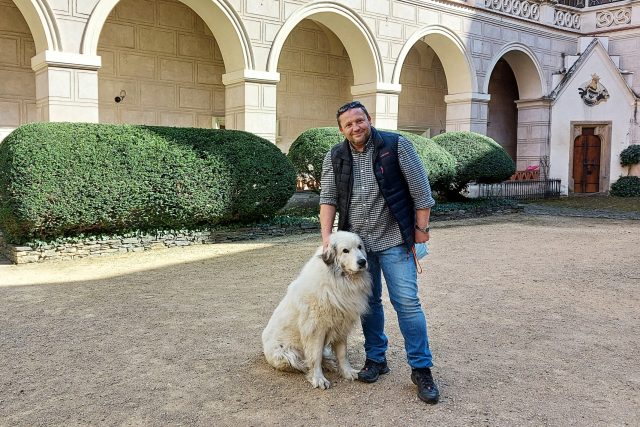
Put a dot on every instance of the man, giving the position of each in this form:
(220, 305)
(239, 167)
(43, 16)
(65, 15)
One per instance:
(376, 182)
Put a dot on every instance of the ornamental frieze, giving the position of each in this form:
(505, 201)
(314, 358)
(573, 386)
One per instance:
(613, 17)
(520, 8)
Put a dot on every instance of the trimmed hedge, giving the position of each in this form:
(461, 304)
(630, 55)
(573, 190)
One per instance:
(478, 158)
(626, 186)
(630, 155)
(308, 151)
(440, 165)
(62, 179)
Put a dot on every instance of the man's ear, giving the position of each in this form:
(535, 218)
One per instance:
(329, 256)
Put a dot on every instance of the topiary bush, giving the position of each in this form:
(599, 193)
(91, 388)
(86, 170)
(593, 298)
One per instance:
(626, 186)
(308, 151)
(630, 155)
(440, 165)
(478, 158)
(64, 179)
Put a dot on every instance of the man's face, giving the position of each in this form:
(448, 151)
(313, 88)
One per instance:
(355, 125)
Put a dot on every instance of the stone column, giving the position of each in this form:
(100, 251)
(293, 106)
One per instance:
(534, 116)
(66, 86)
(467, 111)
(250, 102)
(381, 100)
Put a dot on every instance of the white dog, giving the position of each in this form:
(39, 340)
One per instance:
(311, 324)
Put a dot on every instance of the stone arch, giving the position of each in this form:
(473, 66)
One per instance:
(457, 64)
(525, 67)
(220, 17)
(352, 31)
(42, 23)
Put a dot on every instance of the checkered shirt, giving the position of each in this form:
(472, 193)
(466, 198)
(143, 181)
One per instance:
(369, 215)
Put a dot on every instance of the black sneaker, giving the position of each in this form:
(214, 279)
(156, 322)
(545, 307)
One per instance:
(372, 371)
(427, 388)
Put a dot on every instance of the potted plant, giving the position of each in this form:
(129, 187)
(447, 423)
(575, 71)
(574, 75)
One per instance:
(630, 157)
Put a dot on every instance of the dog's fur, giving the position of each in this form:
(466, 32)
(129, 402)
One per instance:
(310, 326)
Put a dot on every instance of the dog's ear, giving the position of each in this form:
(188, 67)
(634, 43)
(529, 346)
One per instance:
(329, 256)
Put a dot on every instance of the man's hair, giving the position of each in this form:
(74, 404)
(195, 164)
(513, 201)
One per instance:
(350, 106)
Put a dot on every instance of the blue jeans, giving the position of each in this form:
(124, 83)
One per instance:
(399, 269)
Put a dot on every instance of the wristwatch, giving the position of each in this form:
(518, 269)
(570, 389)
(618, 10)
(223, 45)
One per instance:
(424, 230)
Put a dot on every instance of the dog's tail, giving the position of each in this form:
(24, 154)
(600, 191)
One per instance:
(286, 359)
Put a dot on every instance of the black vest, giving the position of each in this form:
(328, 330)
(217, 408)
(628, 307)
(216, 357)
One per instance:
(393, 185)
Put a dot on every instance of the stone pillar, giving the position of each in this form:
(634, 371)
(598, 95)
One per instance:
(66, 86)
(467, 111)
(534, 117)
(250, 102)
(381, 100)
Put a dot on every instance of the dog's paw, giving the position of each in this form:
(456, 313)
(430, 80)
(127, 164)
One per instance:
(320, 382)
(350, 374)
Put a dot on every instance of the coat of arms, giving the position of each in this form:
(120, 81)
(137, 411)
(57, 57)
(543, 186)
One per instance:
(592, 92)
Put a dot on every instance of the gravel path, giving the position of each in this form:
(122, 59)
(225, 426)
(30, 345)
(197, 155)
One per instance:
(533, 321)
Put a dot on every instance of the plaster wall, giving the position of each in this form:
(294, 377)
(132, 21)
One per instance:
(627, 46)
(569, 109)
(166, 60)
(17, 79)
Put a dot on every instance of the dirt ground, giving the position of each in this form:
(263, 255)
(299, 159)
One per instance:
(533, 320)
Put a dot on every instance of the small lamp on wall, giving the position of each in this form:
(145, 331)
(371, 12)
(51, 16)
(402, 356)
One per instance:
(121, 97)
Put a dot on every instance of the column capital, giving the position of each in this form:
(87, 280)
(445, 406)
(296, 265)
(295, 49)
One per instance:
(52, 58)
(465, 97)
(250, 76)
(534, 103)
(376, 87)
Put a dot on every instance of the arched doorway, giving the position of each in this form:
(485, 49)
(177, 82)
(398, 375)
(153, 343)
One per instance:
(502, 117)
(586, 162)
(164, 65)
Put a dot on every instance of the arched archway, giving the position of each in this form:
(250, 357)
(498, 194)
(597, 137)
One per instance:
(350, 29)
(526, 68)
(315, 79)
(17, 78)
(513, 78)
(437, 75)
(456, 62)
(220, 17)
(160, 66)
(42, 23)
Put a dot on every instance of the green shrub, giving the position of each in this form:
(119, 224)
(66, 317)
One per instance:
(308, 151)
(626, 186)
(478, 158)
(440, 165)
(630, 155)
(61, 179)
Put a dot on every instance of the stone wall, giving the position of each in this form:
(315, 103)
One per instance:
(17, 79)
(167, 61)
(102, 246)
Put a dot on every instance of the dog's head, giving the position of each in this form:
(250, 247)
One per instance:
(346, 252)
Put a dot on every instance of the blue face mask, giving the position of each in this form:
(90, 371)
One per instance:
(421, 250)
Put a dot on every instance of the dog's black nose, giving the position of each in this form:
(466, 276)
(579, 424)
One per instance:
(362, 262)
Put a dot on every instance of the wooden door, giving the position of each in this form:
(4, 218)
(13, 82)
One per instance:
(586, 162)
